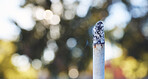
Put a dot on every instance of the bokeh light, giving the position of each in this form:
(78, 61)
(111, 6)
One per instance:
(98, 3)
(55, 20)
(69, 14)
(54, 1)
(36, 64)
(139, 8)
(133, 69)
(48, 14)
(112, 51)
(55, 31)
(9, 32)
(21, 61)
(39, 13)
(69, 1)
(145, 29)
(83, 8)
(44, 74)
(57, 8)
(71, 42)
(76, 52)
(118, 33)
(63, 75)
(73, 73)
(116, 11)
(52, 45)
(48, 55)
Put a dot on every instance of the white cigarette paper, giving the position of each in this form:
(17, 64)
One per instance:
(98, 51)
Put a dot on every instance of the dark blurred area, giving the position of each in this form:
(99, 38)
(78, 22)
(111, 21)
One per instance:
(52, 39)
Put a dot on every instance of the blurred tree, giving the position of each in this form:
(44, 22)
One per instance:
(33, 42)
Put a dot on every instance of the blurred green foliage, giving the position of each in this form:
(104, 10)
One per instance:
(33, 43)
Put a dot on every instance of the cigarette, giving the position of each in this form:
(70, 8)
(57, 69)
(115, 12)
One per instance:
(98, 51)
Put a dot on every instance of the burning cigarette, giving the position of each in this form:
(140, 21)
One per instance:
(98, 51)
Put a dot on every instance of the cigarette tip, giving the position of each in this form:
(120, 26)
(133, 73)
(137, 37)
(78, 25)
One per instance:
(98, 33)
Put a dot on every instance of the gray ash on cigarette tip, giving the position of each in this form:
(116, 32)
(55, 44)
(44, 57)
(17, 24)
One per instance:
(98, 33)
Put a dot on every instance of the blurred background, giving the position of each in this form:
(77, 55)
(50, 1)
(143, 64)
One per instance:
(52, 39)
